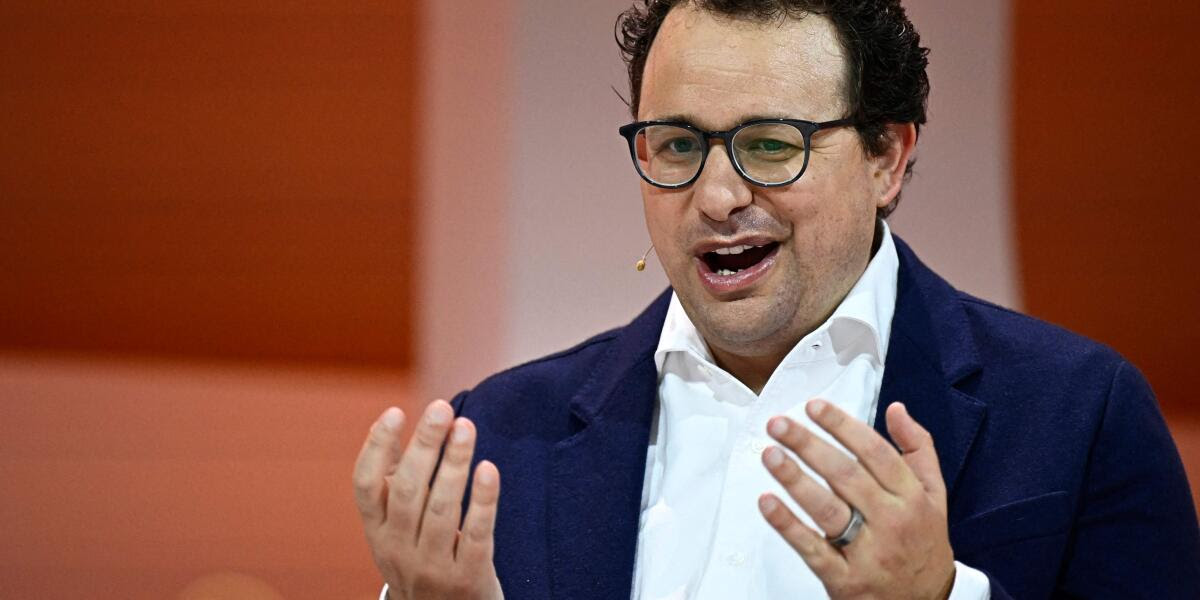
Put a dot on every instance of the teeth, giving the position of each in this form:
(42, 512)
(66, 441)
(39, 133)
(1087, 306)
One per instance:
(734, 249)
(726, 272)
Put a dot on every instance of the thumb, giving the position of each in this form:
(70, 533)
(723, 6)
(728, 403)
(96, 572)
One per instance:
(917, 446)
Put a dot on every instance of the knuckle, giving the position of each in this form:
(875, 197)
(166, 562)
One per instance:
(788, 474)
(845, 470)
(439, 507)
(460, 588)
(457, 455)
(829, 512)
(927, 438)
(378, 436)
(778, 519)
(478, 533)
(425, 583)
(833, 418)
(886, 525)
(850, 589)
(797, 438)
(430, 436)
(879, 450)
(363, 485)
(806, 543)
(891, 562)
(403, 488)
(484, 497)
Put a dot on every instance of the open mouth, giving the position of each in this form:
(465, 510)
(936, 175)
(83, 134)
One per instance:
(734, 259)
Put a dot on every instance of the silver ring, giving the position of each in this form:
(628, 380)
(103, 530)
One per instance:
(851, 531)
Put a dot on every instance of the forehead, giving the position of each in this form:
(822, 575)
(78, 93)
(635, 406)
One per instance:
(717, 72)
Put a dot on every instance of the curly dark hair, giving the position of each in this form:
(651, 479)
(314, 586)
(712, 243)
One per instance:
(885, 80)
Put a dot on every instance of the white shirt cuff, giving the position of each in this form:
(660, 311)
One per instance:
(383, 594)
(969, 584)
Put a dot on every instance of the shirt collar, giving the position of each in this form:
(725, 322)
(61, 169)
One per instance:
(862, 323)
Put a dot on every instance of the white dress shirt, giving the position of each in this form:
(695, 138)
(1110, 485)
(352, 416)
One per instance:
(701, 535)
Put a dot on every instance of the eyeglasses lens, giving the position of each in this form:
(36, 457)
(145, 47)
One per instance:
(770, 152)
(669, 155)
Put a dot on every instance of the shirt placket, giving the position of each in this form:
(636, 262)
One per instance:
(735, 541)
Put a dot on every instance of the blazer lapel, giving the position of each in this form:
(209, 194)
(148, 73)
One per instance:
(931, 357)
(595, 479)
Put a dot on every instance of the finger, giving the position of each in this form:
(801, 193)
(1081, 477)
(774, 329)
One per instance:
(826, 562)
(917, 445)
(829, 512)
(379, 454)
(873, 452)
(475, 545)
(443, 510)
(848, 479)
(409, 485)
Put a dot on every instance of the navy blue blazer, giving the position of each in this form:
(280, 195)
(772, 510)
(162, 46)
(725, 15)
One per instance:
(1063, 480)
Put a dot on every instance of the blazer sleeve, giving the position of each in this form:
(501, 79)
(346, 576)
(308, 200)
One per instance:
(1135, 533)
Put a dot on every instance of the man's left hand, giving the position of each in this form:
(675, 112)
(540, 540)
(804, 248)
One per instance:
(903, 548)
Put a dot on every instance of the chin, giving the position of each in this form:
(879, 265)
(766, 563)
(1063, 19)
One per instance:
(747, 326)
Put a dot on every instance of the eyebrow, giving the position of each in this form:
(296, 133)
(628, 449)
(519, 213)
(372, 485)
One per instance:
(742, 119)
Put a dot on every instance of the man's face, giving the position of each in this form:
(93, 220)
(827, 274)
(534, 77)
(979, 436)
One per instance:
(817, 232)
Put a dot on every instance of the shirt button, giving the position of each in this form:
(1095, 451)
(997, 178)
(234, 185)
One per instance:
(757, 446)
(737, 559)
(705, 371)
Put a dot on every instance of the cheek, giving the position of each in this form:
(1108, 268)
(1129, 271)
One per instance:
(829, 218)
(663, 222)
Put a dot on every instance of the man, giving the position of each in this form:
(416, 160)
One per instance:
(809, 411)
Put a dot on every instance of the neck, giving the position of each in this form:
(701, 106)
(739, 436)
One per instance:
(752, 371)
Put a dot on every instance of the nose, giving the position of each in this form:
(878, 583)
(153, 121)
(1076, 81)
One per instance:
(720, 191)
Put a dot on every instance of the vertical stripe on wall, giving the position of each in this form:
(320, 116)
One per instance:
(1106, 158)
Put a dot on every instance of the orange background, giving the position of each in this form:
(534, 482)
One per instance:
(1105, 177)
(187, 180)
(208, 223)
(209, 246)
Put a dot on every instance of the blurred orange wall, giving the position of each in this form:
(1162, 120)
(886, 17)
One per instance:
(1105, 159)
(208, 222)
(129, 479)
(216, 180)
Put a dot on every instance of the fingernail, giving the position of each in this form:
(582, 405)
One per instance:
(391, 418)
(438, 416)
(768, 504)
(778, 426)
(461, 431)
(773, 457)
(817, 407)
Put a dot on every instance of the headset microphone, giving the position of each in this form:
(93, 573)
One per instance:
(641, 263)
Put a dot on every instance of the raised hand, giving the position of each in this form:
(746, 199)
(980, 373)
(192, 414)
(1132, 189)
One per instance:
(902, 548)
(412, 526)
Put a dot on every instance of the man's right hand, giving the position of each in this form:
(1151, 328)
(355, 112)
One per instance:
(412, 525)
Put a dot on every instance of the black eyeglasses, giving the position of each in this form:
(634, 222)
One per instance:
(765, 152)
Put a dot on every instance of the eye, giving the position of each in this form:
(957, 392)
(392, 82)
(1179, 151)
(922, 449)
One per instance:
(681, 145)
(768, 146)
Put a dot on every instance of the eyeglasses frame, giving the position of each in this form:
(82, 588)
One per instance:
(807, 130)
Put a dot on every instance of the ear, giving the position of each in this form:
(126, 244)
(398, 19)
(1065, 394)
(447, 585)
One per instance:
(888, 169)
